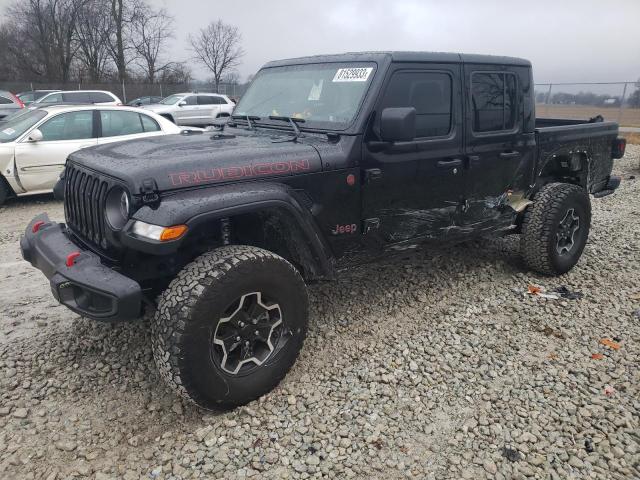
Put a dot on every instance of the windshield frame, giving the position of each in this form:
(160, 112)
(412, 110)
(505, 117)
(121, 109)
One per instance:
(42, 114)
(340, 127)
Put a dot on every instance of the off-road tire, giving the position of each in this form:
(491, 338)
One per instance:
(541, 224)
(190, 308)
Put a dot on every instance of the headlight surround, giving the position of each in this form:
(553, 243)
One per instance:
(117, 207)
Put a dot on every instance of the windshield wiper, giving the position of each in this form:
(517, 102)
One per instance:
(248, 118)
(294, 124)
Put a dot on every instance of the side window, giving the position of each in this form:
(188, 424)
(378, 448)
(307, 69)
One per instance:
(68, 126)
(220, 101)
(4, 101)
(191, 100)
(206, 100)
(76, 97)
(116, 123)
(493, 96)
(429, 93)
(53, 98)
(101, 97)
(149, 124)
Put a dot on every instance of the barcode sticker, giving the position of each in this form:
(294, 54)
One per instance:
(352, 74)
(8, 131)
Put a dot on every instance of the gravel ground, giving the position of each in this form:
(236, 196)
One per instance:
(433, 365)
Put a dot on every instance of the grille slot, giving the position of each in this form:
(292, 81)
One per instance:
(84, 197)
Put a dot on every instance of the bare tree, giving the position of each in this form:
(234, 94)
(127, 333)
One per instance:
(50, 33)
(123, 13)
(151, 31)
(93, 31)
(176, 73)
(217, 47)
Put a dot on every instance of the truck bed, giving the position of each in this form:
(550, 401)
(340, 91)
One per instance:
(591, 140)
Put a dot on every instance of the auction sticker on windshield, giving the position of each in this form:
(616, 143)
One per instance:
(353, 74)
(8, 131)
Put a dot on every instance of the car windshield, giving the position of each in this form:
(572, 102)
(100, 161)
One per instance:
(171, 99)
(12, 129)
(326, 96)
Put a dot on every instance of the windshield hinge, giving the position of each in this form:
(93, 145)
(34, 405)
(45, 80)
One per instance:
(149, 191)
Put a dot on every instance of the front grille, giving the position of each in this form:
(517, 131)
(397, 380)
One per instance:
(84, 197)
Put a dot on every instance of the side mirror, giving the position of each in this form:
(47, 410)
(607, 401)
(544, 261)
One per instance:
(398, 124)
(35, 136)
(182, 103)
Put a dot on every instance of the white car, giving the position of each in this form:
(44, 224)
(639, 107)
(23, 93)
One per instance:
(193, 108)
(96, 97)
(34, 145)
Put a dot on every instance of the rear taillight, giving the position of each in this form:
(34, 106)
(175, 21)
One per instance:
(18, 101)
(619, 146)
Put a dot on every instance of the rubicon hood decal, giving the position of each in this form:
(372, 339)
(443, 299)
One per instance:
(230, 173)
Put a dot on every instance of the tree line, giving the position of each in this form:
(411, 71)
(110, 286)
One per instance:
(590, 98)
(96, 41)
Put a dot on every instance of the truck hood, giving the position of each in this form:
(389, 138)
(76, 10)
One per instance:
(182, 161)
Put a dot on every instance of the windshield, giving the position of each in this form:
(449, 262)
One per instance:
(14, 128)
(171, 99)
(324, 95)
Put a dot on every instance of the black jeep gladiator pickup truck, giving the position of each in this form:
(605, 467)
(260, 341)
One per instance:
(327, 162)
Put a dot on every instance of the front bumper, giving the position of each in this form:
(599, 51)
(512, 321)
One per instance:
(77, 276)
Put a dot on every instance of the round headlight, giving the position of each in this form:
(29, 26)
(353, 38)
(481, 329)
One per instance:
(117, 208)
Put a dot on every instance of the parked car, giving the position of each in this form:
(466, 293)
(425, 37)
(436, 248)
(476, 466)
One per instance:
(35, 145)
(193, 108)
(97, 97)
(151, 100)
(9, 104)
(328, 161)
(33, 95)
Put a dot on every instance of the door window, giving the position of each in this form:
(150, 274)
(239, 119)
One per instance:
(429, 93)
(116, 123)
(191, 100)
(206, 100)
(149, 124)
(53, 98)
(76, 97)
(5, 101)
(219, 100)
(68, 126)
(101, 97)
(493, 96)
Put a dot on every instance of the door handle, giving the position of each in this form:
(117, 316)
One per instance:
(456, 162)
(508, 155)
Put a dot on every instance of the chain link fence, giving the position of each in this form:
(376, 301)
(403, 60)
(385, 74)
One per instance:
(615, 101)
(128, 91)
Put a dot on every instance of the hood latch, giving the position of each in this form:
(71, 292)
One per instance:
(149, 191)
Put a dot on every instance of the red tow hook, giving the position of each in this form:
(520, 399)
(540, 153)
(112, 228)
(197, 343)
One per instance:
(36, 226)
(71, 259)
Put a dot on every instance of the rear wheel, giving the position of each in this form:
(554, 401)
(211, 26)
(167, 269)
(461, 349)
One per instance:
(5, 191)
(555, 228)
(230, 326)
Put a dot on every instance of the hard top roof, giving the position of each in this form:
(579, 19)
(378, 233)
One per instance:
(439, 57)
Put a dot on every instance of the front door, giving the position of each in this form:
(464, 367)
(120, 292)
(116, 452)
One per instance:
(413, 190)
(40, 163)
(189, 113)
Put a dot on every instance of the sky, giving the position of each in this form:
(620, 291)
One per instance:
(566, 40)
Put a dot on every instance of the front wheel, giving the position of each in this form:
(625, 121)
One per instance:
(555, 228)
(230, 326)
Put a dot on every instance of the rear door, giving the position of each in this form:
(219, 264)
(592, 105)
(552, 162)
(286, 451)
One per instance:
(119, 125)
(40, 163)
(496, 148)
(413, 190)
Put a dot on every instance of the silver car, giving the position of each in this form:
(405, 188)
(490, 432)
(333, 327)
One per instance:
(9, 103)
(193, 108)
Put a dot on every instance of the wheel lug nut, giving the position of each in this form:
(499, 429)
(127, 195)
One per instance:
(241, 324)
(237, 338)
(254, 321)
(257, 332)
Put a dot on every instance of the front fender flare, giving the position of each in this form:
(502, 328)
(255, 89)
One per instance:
(198, 206)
